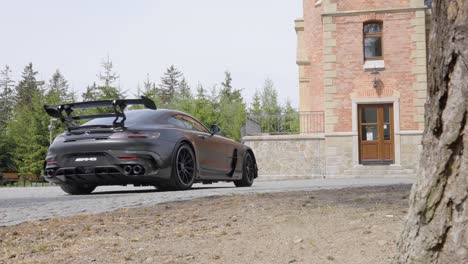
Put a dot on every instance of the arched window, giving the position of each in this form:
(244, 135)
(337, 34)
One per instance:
(373, 41)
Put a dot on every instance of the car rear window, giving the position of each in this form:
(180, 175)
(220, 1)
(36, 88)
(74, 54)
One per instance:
(135, 117)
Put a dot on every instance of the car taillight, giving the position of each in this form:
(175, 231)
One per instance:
(153, 135)
(136, 134)
(51, 162)
(128, 158)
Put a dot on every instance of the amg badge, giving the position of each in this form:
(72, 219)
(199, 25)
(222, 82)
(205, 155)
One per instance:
(86, 159)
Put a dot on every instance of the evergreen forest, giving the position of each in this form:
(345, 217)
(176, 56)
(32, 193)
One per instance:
(24, 126)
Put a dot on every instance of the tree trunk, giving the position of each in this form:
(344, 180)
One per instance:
(437, 227)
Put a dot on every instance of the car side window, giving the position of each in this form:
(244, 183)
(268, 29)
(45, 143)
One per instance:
(186, 122)
(176, 122)
(192, 124)
(199, 126)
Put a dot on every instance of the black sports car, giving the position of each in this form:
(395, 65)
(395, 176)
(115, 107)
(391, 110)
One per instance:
(168, 149)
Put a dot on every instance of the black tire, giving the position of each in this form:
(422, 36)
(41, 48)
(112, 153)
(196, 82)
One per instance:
(249, 171)
(183, 170)
(75, 189)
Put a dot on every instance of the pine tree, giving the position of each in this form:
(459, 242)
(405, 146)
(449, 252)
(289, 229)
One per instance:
(108, 89)
(7, 97)
(291, 118)
(58, 90)
(170, 83)
(148, 85)
(231, 109)
(227, 91)
(201, 92)
(91, 93)
(269, 99)
(184, 90)
(226, 85)
(183, 101)
(270, 108)
(6, 155)
(7, 103)
(109, 77)
(27, 87)
(203, 107)
(256, 106)
(58, 93)
(29, 132)
(150, 89)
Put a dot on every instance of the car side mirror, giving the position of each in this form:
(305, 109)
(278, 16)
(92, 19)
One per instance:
(214, 129)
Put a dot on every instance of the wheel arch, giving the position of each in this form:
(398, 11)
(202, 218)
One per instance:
(250, 151)
(190, 144)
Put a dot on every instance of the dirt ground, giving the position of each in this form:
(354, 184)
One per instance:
(356, 225)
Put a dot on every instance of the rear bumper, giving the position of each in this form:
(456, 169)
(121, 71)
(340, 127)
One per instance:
(107, 168)
(107, 179)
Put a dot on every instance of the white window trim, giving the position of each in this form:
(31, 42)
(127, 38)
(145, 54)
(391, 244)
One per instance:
(374, 64)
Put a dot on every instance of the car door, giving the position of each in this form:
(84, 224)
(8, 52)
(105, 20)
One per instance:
(211, 150)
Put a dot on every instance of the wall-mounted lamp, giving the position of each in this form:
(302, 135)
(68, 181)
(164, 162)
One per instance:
(375, 72)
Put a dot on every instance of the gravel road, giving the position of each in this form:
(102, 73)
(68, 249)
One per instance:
(19, 205)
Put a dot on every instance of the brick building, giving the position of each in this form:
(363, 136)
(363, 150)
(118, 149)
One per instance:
(363, 64)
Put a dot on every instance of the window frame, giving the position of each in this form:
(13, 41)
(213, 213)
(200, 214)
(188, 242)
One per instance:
(196, 126)
(375, 35)
(189, 123)
(178, 123)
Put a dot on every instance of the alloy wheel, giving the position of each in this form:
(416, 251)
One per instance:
(250, 168)
(185, 166)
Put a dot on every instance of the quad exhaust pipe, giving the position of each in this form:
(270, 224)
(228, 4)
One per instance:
(133, 170)
(137, 170)
(50, 172)
(127, 170)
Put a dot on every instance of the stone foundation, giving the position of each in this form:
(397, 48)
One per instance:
(318, 156)
(411, 149)
(339, 155)
(288, 157)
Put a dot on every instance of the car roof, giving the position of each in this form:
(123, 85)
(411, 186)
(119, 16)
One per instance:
(140, 116)
(161, 113)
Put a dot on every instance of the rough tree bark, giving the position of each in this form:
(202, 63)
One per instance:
(437, 227)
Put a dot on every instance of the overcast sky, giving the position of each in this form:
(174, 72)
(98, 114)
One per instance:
(253, 39)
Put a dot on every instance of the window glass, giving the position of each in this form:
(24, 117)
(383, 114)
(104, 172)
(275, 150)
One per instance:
(369, 115)
(387, 130)
(386, 114)
(369, 133)
(373, 28)
(176, 122)
(373, 41)
(187, 122)
(373, 47)
(195, 125)
(134, 118)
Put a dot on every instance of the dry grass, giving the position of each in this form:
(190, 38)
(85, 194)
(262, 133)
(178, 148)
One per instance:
(330, 226)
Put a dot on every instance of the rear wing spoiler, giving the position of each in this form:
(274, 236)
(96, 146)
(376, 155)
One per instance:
(64, 112)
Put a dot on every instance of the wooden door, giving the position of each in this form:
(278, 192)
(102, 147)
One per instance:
(376, 142)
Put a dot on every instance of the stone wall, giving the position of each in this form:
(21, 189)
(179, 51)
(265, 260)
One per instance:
(411, 149)
(319, 156)
(288, 157)
(339, 155)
